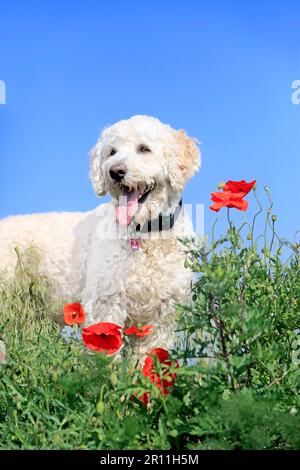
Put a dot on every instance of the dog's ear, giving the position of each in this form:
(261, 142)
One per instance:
(96, 171)
(187, 160)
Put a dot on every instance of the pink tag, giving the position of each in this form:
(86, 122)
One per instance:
(134, 243)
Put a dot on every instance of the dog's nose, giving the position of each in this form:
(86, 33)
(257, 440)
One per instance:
(117, 172)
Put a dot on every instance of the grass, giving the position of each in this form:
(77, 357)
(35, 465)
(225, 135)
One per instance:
(241, 391)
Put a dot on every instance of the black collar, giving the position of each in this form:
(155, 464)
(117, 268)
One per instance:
(162, 222)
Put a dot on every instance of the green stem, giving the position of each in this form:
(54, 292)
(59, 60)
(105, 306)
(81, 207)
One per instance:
(213, 234)
(273, 236)
(228, 218)
(254, 218)
(295, 236)
(267, 221)
(223, 341)
(244, 223)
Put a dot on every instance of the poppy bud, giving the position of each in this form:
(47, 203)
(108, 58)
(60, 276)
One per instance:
(114, 379)
(249, 236)
(279, 251)
(274, 218)
(100, 407)
(221, 185)
(266, 252)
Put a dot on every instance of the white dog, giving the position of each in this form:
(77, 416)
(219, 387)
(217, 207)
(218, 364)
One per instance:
(123, 261)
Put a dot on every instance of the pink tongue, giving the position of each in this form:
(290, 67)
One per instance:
(128, 206)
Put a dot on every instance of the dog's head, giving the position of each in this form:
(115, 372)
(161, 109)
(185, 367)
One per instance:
(144, 165)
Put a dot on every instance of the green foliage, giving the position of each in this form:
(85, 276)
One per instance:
(238, 384)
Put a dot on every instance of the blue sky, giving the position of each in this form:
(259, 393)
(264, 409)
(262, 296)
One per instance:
(222, 70)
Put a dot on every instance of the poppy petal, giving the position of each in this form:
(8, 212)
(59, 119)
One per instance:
(103, 337)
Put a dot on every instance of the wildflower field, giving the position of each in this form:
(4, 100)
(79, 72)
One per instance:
(231, 382)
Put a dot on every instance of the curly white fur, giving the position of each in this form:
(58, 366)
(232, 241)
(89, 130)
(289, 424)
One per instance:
(88, 255)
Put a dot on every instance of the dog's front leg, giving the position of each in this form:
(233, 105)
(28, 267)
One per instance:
(103, 295)
(103, 308)
(162, 336)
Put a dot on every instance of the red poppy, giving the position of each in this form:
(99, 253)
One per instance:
(145, 398)
(139, 331)
(164, 379)
(103, 337)
(239, 186)
(74, 314)
(228, 199)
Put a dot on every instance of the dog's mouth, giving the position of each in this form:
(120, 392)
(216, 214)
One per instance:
(129, 201)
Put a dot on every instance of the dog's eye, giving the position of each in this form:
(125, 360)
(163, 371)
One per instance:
(143, 149)
(112, 152)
